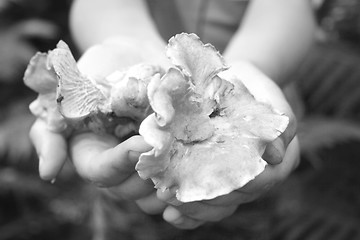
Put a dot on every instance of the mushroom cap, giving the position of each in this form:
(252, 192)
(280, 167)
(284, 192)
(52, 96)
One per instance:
(106, 98)
(208, 133)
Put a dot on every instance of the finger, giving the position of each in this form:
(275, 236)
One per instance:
(200, 210)
(151, 204)
(233, 198)
(101, 160)
(51, 148)
(274, 152)
(205, 212)
(132, 188)
(274, 174)
(174, 217)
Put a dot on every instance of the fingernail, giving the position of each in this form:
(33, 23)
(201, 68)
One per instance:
(275, 152)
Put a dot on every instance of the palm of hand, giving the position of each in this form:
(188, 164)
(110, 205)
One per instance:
(100, 159)
(282, 156)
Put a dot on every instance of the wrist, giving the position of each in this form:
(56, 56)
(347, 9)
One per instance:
(120, 52)
(150, 50)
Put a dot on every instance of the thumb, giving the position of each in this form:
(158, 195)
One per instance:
(101, 160)
(275, 151)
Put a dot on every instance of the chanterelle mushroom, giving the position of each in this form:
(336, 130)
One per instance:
(69, 99)
(208, 133)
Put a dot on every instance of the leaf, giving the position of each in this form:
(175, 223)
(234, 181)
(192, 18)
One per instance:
(208, 134)
(316, 133)
(16, 47)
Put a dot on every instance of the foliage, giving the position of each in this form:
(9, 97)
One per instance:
(320, 200)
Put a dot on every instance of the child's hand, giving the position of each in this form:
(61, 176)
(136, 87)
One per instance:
(103, 160)
(193, 214)
(51, 149)
(282, 157)
(100, 160)
(265, 90)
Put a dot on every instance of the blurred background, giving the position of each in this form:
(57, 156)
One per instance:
(320, 200)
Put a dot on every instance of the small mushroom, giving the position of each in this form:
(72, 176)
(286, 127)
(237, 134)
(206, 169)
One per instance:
(69, 99)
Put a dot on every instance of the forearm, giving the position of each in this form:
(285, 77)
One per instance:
(93, 21)
(275, 36)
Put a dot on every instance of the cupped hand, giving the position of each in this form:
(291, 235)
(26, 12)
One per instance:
(267, 91)
(282, 156)
(101, 160)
